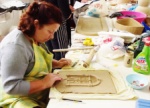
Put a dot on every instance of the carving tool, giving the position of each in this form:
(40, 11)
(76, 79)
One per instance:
(74, 64)
(72, 100)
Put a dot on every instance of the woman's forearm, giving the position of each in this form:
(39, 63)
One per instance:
(46, 82)
(37, 85)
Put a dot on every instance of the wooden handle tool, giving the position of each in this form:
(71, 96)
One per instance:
(71, 49)
(90, 57)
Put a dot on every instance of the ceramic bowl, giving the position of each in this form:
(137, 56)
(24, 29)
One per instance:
(129, 25)
(138, 16)
(137, 81)
(122, 1)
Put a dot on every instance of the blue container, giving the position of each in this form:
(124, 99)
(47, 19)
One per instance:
(146, 27)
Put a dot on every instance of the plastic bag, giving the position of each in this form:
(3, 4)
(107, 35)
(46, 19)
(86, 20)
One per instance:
(97, 9)
(112, 47)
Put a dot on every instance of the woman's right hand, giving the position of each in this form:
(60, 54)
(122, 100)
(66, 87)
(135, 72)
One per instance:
(50, 79)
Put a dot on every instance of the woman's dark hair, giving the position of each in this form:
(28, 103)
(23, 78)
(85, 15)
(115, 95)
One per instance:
(44, 12)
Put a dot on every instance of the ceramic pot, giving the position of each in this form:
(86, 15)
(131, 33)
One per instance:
(144, 3)
(145, 10)
(123, 1)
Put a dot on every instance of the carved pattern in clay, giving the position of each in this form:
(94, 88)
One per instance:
(82, 80)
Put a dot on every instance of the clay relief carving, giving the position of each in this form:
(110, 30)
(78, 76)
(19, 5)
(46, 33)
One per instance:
(82, 80)
(86, 82)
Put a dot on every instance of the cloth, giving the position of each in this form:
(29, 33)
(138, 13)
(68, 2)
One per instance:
(42, 66)
(123, 91)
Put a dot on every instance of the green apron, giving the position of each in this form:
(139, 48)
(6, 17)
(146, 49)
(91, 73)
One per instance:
(42, 66)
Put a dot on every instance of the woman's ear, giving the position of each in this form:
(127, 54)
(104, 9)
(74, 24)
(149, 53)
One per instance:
(36, 23)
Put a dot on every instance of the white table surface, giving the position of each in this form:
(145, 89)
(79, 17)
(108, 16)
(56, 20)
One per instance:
(119, 66)
(143, 94)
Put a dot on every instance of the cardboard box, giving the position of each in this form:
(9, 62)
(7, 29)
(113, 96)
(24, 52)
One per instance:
(130, 25)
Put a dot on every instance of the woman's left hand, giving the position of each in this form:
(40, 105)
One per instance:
(71, 8)
(62, 62)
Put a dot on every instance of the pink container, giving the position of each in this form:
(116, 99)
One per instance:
(138, 16)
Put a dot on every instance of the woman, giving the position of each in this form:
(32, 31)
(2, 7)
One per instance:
(63, 36)
(25, 63)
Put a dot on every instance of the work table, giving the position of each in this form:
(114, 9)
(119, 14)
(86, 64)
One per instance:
(117, 65)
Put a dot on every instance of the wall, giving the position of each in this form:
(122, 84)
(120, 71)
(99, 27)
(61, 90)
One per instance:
(9, 20)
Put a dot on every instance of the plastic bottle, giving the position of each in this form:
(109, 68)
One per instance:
(142, 61)
(128, 58)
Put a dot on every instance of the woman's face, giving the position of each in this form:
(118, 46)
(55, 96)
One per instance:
(45, 33)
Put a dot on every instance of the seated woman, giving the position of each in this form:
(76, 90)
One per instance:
(25, 62)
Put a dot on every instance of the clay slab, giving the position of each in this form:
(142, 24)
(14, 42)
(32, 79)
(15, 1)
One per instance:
(86, 82)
